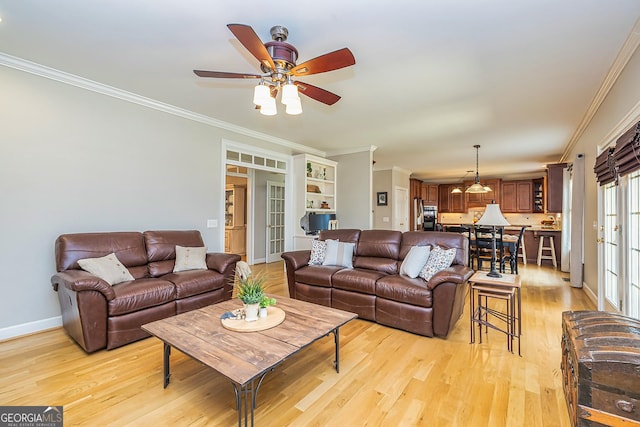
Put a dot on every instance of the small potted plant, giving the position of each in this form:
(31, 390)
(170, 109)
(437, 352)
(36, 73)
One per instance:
(251, 293)
(264, 303)
(309, 169)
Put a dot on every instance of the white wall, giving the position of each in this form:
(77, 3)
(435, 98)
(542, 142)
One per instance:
(354, 189)
(72, 160)
(623, 98)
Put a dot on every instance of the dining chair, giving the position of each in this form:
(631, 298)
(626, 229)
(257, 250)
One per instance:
(484, 246)
(512, 256)
(466, 230)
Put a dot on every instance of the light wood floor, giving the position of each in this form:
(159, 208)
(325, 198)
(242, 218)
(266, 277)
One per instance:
(387, 377)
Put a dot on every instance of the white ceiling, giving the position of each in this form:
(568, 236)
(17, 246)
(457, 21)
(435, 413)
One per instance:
(432, 77)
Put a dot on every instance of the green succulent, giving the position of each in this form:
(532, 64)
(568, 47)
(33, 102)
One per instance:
(251, 290)
(267, 301)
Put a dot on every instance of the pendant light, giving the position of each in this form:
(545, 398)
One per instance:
(477, 187)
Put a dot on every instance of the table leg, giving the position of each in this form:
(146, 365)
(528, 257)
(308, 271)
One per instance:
(167, 372)
(336, 339)
(246, 397)
(472, 314)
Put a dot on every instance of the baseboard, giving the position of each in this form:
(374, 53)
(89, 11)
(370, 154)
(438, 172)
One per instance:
(30, 328)
(593, 297)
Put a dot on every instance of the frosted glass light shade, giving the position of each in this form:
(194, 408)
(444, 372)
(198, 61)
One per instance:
(456, 190)
(261, 94)
(290, 94)
(476, 188)
(268, 108)
(294, 107)
(493, 216)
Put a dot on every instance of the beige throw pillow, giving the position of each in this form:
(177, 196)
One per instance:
(188, 258)
(108, 268)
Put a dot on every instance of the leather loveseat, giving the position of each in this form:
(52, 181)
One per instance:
(98, 315)
(375, 290)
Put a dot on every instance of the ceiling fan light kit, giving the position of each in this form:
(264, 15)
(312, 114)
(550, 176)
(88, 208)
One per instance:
(278, 63)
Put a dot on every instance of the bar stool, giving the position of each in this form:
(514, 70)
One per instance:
(551, 247)
(522, 252)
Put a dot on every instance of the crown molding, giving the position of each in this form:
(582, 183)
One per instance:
(93, 86)
(628, 48)
(352, 150)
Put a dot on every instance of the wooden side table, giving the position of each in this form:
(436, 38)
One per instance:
(506, 288)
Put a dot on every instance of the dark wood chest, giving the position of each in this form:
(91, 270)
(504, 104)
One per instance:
(601, 368)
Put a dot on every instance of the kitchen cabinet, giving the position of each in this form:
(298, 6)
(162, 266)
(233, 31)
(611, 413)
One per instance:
(538, 193)
(554, 187)
(234, 219)
(480, 200)
(450, 202)
(429, 194)
(517, 196)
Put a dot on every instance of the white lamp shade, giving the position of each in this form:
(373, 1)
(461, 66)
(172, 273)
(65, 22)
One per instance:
(290, 94)
(294, 107)
(261, 94)
(493, 216)
(456, 190)
(268, 108)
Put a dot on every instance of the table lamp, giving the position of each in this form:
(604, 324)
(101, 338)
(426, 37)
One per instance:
(493, 217)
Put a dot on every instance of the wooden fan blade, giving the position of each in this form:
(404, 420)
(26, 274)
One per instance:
(252, 43)
(327, 62)
(225, 75)
(317, 93)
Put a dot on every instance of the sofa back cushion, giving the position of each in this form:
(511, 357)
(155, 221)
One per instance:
(161, 248)
(378, 250)
(347, 235)
(128, 246)
(436, 238)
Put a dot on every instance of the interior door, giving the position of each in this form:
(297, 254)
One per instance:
(401, 209)
(275, 220)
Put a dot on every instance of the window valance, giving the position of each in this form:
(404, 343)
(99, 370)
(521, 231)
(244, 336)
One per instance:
(605, 168)
(627, 152)
(620, 160)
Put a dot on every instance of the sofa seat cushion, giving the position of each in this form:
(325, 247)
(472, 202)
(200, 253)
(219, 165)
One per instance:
(194, 282)
(139, 294)
(404, 289)
(357, 280)
(319, 275)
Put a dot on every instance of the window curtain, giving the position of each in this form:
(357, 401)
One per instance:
(577, 222)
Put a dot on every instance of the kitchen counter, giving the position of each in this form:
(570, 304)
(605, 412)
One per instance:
(514, 227)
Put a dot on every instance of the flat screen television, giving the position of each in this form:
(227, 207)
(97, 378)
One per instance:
(319, 222)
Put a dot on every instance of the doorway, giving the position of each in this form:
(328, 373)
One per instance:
(267, 181)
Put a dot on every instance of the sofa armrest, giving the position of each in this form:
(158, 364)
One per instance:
(449, 288)
(221, 262)
(296, 259)
(80, 280)
(454, 274)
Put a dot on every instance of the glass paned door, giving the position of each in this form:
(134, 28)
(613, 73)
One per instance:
(634, 245)
(275, 220)
(611, 247)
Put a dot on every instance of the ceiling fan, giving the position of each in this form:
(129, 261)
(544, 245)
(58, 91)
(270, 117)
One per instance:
(278, 64)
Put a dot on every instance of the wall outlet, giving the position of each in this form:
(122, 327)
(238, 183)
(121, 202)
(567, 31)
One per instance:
(385, 219)
(212, 223)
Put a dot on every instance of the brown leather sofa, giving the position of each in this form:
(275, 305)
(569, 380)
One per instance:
(375, 290)
(97, 315)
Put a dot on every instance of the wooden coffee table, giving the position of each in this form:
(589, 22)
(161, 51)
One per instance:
(246, 357)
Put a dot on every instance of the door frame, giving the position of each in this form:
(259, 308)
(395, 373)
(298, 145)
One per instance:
(254, 158)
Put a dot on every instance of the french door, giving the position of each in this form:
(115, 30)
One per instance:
(610, 239)
(275, 220)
